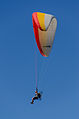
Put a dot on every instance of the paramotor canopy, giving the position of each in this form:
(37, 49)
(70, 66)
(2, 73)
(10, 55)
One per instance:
(44, 26)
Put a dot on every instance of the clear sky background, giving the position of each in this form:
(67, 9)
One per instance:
(58, 74)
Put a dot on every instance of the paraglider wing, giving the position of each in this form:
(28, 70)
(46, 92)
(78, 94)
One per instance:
(44, 26)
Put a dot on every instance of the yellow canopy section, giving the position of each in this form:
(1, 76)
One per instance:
(41, 19)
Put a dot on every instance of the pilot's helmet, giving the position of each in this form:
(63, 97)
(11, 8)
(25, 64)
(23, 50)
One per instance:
(35, 91)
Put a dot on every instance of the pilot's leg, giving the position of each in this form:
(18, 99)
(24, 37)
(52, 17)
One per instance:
(32, 101)
(35, 98)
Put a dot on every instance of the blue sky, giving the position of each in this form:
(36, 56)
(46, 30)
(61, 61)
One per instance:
(58, 74)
